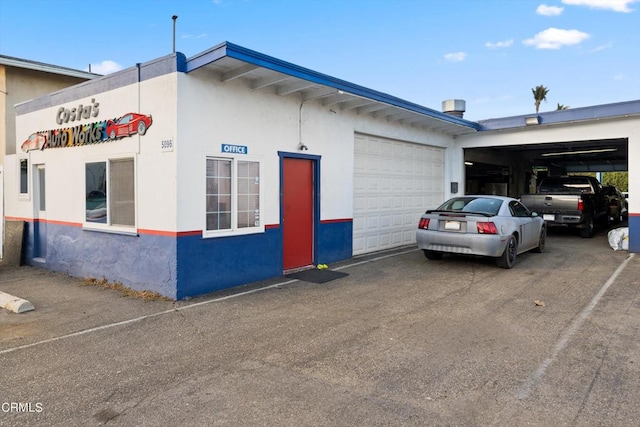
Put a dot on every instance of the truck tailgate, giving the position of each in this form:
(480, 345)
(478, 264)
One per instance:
(552, 203)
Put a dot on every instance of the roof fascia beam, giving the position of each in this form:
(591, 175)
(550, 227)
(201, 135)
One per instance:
(356, 103)
(371, 108)
(269, 81)
(298, 86)
(238, 72)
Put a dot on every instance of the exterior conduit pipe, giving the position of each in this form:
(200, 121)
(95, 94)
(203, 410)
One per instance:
(302, 146)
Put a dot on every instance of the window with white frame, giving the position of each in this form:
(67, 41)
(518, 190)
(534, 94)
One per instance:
(110, 193)
(232, 195)
(23, 176)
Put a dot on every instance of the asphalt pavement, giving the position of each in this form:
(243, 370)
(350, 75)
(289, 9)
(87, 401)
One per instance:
(400, 341)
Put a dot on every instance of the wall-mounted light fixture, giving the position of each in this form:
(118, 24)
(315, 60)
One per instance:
(302, 147)
(468, 163)
(532, 121)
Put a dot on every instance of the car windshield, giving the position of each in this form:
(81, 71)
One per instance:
(482, 205)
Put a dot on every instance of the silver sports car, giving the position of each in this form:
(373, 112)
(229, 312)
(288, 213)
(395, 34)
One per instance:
(492, 226)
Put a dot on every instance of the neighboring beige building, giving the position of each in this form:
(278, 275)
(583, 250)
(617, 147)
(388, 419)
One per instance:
(22, 80)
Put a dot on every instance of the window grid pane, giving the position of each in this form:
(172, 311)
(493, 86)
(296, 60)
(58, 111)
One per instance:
(248, 194)
(218, 194)
(24, 176)
(96, 192)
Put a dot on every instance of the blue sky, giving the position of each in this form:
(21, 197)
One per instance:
(490, 53)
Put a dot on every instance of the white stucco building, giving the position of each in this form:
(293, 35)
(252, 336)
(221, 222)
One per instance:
(186, 176)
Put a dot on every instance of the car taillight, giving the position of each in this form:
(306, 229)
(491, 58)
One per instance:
(424, 223)
(580, 204)
(486, 228)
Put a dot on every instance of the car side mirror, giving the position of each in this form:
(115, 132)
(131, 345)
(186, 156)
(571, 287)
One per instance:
(534, 214)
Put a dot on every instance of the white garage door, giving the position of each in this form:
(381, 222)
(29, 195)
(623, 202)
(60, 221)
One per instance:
(394, 183)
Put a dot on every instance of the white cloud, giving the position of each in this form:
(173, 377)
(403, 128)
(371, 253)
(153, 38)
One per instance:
(455, 56)
(105, 67)
(614, 5)
(545, 10)
(194, 36)
(619, 77)
(499, 45)
(602, 47)
(555, 38)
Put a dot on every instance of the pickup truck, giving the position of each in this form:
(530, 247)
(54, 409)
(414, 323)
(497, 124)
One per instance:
(570, 201)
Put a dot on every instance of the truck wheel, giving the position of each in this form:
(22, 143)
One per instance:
(508, 257)
(432, 254)
(587, 231)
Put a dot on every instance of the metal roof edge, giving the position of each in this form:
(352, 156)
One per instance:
(174, 62)
(256, 58)
(47, 68)
(595, 112)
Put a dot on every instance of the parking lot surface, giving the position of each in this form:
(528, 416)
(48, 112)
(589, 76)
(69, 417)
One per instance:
(400, 341)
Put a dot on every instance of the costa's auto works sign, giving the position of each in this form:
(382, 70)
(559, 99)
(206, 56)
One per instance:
(89, 133)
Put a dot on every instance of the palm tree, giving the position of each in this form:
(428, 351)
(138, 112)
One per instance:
(562, 107)
(539, 94)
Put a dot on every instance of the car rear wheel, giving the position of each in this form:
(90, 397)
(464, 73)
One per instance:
(432, 254)
(508, 257)
(142, 128)
(542, 240)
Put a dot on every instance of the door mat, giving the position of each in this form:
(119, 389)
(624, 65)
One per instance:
(316, 276)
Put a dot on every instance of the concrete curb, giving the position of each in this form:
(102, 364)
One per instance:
(15, 304)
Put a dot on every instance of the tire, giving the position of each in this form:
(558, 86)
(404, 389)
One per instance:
(620, 216)
(587, 231)
(542, 240)
(112, 135)
(433, 255)
(142, 128)
(508, 257)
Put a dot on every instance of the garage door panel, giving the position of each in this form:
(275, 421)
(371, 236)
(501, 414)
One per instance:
(386, 202)
(385, 239)
(373, 203)
(397, 184)
(371, 243)
(385, 222)
(398, 202)
(400, 181)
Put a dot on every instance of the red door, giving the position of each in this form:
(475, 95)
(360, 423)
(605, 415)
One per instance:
(297, 217)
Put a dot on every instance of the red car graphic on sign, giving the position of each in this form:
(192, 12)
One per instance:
(127, 125)
(36, 141)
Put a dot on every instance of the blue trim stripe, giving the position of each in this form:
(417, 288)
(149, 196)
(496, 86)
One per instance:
(634, 233)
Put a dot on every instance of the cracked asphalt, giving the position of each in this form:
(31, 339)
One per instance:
(400, 341)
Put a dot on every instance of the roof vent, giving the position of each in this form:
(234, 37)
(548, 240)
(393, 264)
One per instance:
(454, 107)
